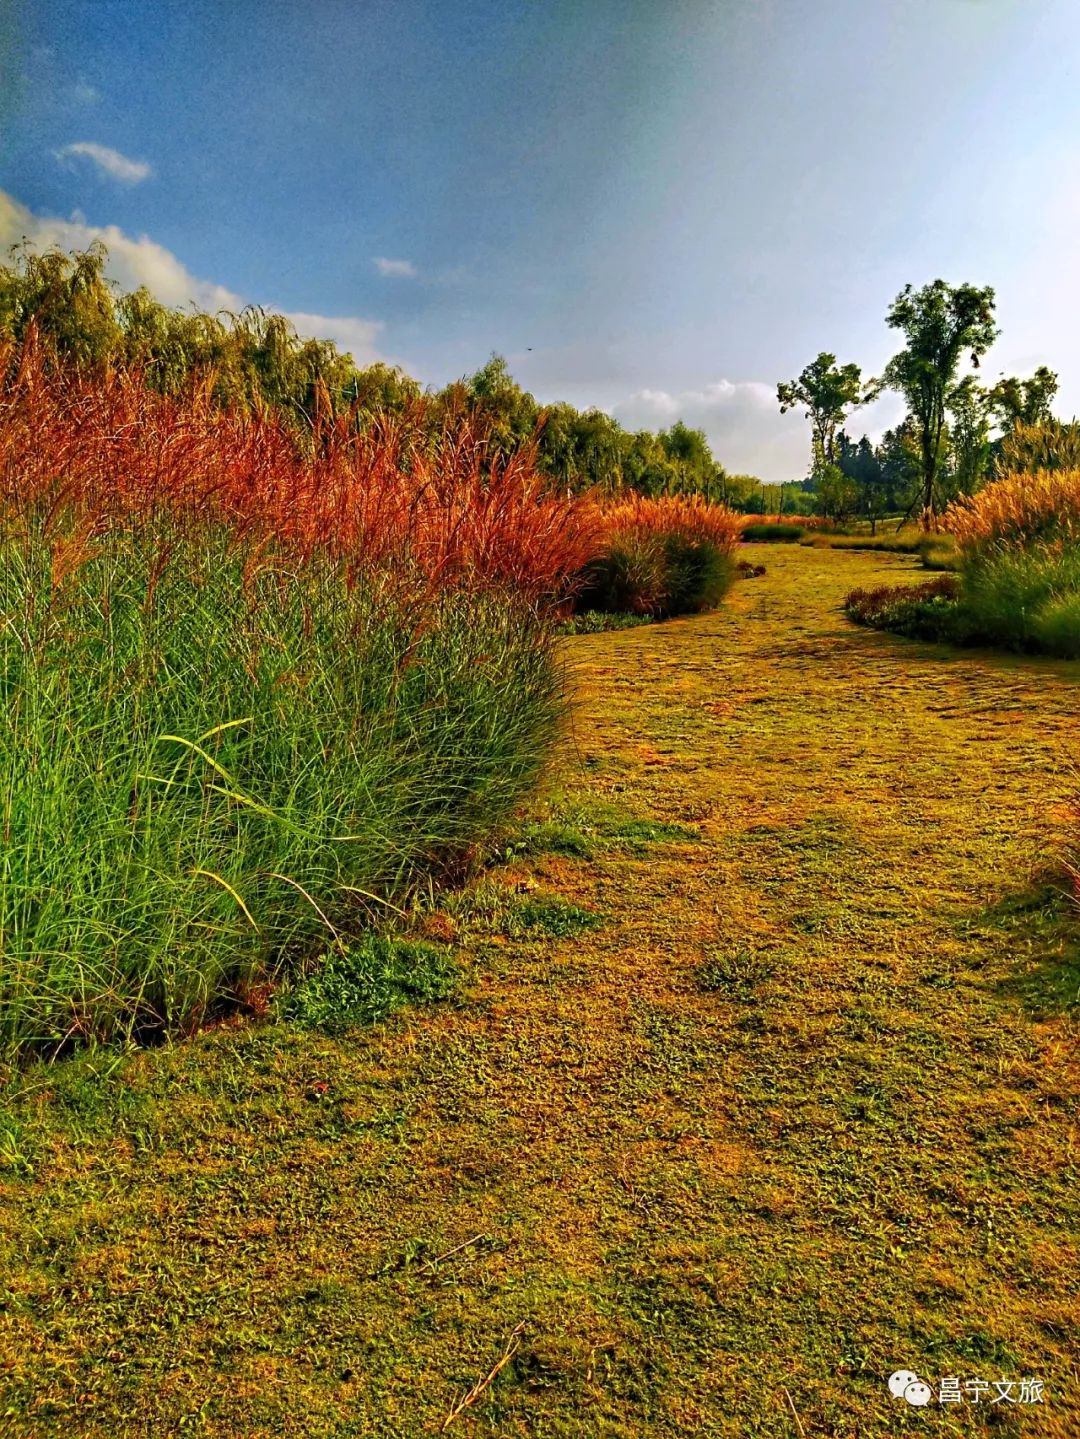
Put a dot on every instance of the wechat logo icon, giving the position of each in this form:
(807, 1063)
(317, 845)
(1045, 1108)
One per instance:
(903, 1384)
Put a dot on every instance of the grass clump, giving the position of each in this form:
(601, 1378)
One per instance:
(595, 622)
(777, 533)
(1016, 549)
(214, 760)
(661, 557)
(365, 982)
(489, 908)
(926, 611)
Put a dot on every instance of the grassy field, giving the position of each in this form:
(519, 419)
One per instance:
(760, 1082)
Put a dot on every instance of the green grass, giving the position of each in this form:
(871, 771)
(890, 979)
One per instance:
(1023, 600)
(210, 769)
(801, 1110)
(594, 622)
(367, 982)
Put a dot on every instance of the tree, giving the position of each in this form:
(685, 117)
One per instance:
(837, 494)
(1027, 402)
(969, 436)
(862, 465)
(829, 391)
(941, 323)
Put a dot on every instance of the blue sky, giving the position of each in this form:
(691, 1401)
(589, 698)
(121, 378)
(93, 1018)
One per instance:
(661, 208)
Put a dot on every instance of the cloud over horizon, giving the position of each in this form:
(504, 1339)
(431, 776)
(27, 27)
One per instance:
(107, 161)
(744, 426)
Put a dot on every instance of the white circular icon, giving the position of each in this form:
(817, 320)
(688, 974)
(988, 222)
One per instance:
(917, 1393)
(899, 1382)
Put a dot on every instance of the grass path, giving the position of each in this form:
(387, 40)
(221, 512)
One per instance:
(799, 1111)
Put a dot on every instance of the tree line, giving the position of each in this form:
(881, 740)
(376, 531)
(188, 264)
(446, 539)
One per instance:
(957, 433)
(257, 358)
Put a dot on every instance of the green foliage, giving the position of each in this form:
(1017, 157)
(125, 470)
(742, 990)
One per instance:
(629, 578)
(214, 764)
(778, 533)
(1024, 402)
(940, 324)
(1024, 600)
(595, 622)
(969, 407)
(829, 392)
(656, 576)
(1055, 626)
(926, 611)
(698, 575)
(364, 983)
(551, 916)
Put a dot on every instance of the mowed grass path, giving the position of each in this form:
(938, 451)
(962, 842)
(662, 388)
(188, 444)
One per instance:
(800, 1110)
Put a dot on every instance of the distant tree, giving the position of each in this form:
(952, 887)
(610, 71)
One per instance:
(829, 392)
(837, 494)
(66, 297)
(862, 465)
(941, 323)
(739, 492)
(1023, 402)
(969, 437)
(897, 454)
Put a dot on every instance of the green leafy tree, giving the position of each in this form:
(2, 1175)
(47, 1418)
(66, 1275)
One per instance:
(837, 494)
(829, 392)
(1027, 402)
(861, 464)
(969, 408)
(941, 323)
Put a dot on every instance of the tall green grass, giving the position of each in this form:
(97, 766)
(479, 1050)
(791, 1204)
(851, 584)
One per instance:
(213, 761)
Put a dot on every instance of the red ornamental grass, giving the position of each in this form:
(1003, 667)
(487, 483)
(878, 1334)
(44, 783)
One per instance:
(689, 516)
(382, 494)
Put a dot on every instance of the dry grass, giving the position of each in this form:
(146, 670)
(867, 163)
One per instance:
(1022, 509)
(689, 517)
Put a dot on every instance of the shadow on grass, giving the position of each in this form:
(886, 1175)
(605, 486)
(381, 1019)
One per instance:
(1043, 923)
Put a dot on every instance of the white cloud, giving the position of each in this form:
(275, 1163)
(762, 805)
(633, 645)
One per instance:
(743, 424)
(741, 420)
(358, 337)
(396, 269)
(132, 262)
(107, 162)
(86, 94)
(141, 261)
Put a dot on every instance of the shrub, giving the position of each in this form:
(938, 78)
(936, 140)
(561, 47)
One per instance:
(215, 759)
(661, 557)
(773, 534)
(628, 577)
(927, 611)
(1055, 628)
(698, 575)
(1014, 591)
